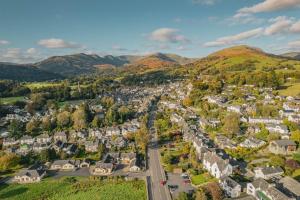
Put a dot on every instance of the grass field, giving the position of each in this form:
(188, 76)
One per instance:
(11, 100)
(81, 189)
(41, 85)
(291, 90)
(201, 179)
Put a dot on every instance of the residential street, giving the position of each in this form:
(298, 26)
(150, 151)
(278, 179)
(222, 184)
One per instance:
(159, 191)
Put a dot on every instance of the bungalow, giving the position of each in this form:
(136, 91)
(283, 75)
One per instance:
(29, 176)
(60, 136)
(284, 147)
(268, 172)
(43, 138)
(102, 169)
(252, 143)
(91, 146)
(231, 187)
(290, 186)
(216, 165)
(66, 165)
(260, 189)
(26, 139)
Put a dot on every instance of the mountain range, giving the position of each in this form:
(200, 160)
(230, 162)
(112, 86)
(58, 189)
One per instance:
(58, 67)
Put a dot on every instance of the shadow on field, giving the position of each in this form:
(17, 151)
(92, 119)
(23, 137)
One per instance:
(12, 193)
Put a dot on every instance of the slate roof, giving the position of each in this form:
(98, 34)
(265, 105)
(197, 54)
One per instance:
(291, 184)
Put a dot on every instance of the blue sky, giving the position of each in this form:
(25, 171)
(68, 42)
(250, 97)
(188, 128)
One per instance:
(35, 29)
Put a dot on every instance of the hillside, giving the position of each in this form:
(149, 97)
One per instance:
(77, 64)
(294, 55)
(245, 58)
(25, 73)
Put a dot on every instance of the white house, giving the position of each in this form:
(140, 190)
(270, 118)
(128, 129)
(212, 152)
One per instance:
(217, 166)
(268, 172)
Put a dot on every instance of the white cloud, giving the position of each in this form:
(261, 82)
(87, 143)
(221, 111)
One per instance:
(233, 39)
(4, 42)
(270, 5)
(295, 28)
(55, 43)
(205, 2)
(244, 18)
(294, 44)
(280, 24)
(17, 55)
(168, 35)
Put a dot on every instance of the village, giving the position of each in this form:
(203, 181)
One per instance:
(244, 139)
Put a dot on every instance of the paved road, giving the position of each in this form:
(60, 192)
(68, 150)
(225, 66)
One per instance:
(157, 173)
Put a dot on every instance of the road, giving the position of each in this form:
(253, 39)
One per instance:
(157, 174)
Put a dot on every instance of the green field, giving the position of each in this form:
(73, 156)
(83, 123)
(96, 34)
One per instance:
(11, 100)
(81, 189)
(201, 179)
(291, 90)
(41, 85)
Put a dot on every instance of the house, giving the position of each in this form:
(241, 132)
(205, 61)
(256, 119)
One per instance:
(233, 108)
(26, 139)
(9, 142)
(66, 165)
(29, 176)
(126, 158)
(286, 113)
(91, 146)
(294, 118)
(38, 147)
(102, 169)
(60, 136)
(252, 143)
(284, 147)
(43, 138)
(291, 106)
(262, 190)
(290, 186)
(84, 164)
(175, 118)
(276, 128)
(133, 166)
(224, 142)
(110, 131)
(96, 133)
(231, 187)
(264, 120)
(268, 172)
(216, 165)
(24, 149)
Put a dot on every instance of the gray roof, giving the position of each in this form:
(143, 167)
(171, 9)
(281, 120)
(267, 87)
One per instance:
(104, 165)
(291, 184)
(284, 143)
(260, 183)
(230, 182)
(271, 170)
(31, 173)
(63, 162)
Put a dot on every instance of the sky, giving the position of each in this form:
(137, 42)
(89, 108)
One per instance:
(32, 30)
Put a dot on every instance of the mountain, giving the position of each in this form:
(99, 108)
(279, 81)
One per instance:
(243, 58)
(77, 64)
(25, 73)
(294, 55)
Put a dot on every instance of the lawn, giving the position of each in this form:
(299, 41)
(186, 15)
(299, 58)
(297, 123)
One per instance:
(291, 90)
(201, 179)
(11, 100)
(80, 189)
(41, 85)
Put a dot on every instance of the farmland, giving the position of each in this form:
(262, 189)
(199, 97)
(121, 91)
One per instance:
(75, 188)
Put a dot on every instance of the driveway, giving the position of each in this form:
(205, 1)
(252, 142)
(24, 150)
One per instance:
(176, 179)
